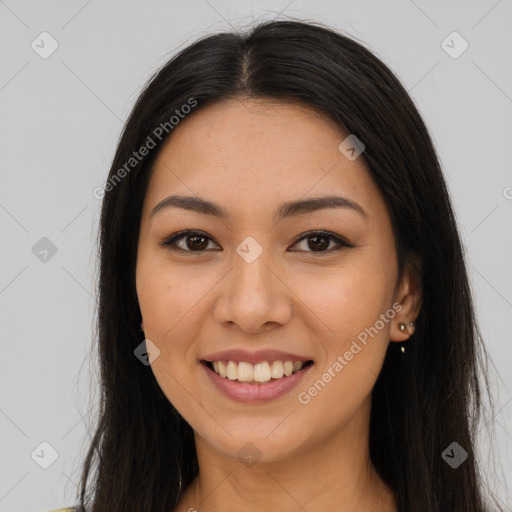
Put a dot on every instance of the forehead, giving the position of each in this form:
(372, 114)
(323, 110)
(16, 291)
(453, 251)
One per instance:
(252, 132)
(244, 153)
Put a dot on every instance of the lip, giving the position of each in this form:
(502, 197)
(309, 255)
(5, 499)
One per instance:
(270, 355)
(255, 393)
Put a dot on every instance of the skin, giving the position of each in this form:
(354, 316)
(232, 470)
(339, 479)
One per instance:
(250, 157)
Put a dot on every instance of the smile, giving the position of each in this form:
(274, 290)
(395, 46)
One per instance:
(255, 383)
(259, 373)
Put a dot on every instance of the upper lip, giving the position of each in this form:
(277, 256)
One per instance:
(238, 355)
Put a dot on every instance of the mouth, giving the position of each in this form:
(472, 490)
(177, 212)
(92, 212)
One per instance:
(258, 374)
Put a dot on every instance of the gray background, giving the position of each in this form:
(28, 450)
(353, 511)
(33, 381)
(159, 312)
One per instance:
(60, 122)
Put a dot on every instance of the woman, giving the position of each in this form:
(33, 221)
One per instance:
(277, 228)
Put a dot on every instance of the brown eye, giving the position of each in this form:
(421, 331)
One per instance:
(195, 241)
(320, 241)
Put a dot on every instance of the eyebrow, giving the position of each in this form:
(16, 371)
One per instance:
(288, 209)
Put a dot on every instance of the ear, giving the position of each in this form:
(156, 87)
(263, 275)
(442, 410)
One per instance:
(409, 295)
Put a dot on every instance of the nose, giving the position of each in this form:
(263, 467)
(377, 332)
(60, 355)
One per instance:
(254, 297)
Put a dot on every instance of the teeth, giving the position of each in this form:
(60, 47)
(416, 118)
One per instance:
(232, 370)
(288, 368)
(259, 372)
(277, 370)
(245, 372)
(297, 365)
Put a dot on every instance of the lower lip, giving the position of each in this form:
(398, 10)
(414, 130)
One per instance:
(255, 393)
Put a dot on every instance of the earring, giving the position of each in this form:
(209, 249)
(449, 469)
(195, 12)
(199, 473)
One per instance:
(403, 328)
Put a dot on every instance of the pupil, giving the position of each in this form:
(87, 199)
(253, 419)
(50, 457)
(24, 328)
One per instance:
(318, 245)
(195, 244)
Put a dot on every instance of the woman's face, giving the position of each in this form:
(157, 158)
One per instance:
(261, 283)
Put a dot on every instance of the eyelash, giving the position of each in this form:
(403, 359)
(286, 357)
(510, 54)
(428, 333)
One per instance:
(170, 242)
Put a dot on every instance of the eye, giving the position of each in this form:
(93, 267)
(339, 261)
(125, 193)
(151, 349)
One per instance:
(195, 241)
(198, 241)
(320, 241)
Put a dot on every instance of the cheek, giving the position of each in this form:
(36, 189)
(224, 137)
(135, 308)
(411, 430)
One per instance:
(174, 304)
(354, 350)
(160, 309)
(349, 301)
(166, 295)
(168, 300)
(344, 299)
